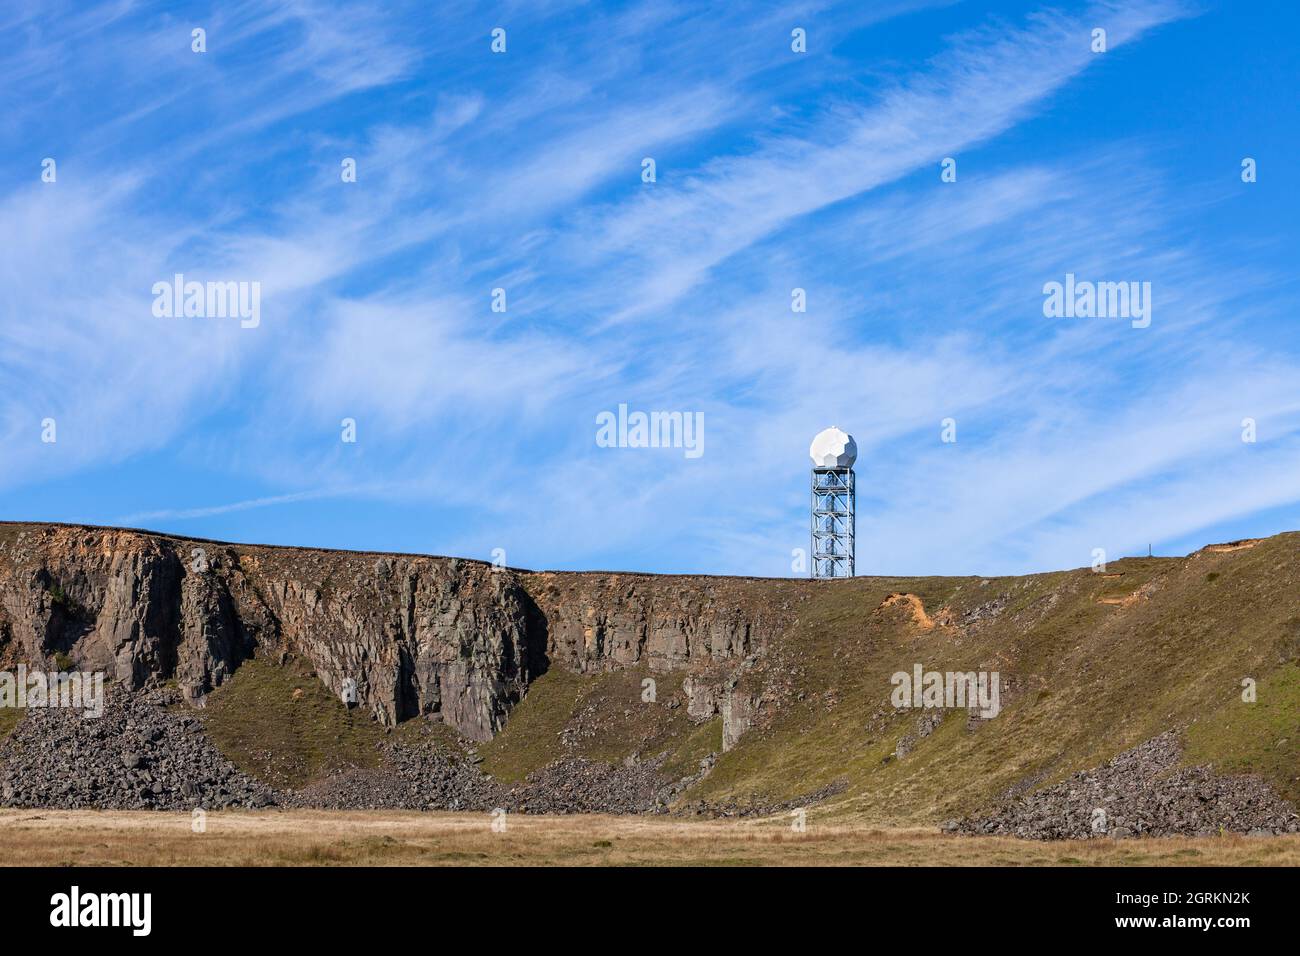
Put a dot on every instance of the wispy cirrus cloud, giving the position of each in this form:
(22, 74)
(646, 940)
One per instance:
(523, 172)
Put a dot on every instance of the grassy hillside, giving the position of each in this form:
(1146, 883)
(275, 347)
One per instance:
(1090, 665)
(9, 717)
(279, 723)
(600, 717)
(1263, 737)
(1096, 664)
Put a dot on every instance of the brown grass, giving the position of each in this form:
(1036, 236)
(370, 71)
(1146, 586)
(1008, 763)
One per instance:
(309, 838)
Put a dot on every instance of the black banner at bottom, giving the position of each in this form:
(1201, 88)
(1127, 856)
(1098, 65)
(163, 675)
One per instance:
(339, 906)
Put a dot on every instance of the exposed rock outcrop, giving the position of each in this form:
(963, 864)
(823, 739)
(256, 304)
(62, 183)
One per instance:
(722, 692)
(462, 642)
(738, 712)
(400, 635)
(418, 636)
(600, 621)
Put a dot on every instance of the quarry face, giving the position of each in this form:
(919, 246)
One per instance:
(463, 685)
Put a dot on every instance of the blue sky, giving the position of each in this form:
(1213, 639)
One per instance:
(775, 170)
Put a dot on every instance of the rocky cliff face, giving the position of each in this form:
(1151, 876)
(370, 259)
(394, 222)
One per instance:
(406, 635)
(418, 636)
(597, 622)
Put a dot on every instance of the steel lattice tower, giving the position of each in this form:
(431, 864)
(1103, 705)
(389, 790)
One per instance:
(833, 504)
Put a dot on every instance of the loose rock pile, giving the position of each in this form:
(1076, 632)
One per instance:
(576, 785)
(146, 753)
(1142, 792)
(138, 755)
(423, 777)
(419, 778)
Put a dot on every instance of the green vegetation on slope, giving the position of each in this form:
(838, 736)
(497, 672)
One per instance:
(837, 723)
(280, 724)
(600, 717)
(1091, 665)
(691, 747)
(9, 717)
(531, 738)
(1261, 737)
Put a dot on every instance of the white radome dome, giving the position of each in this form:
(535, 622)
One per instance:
(833, 448)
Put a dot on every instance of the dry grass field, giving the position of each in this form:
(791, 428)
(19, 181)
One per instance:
(311, 838)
